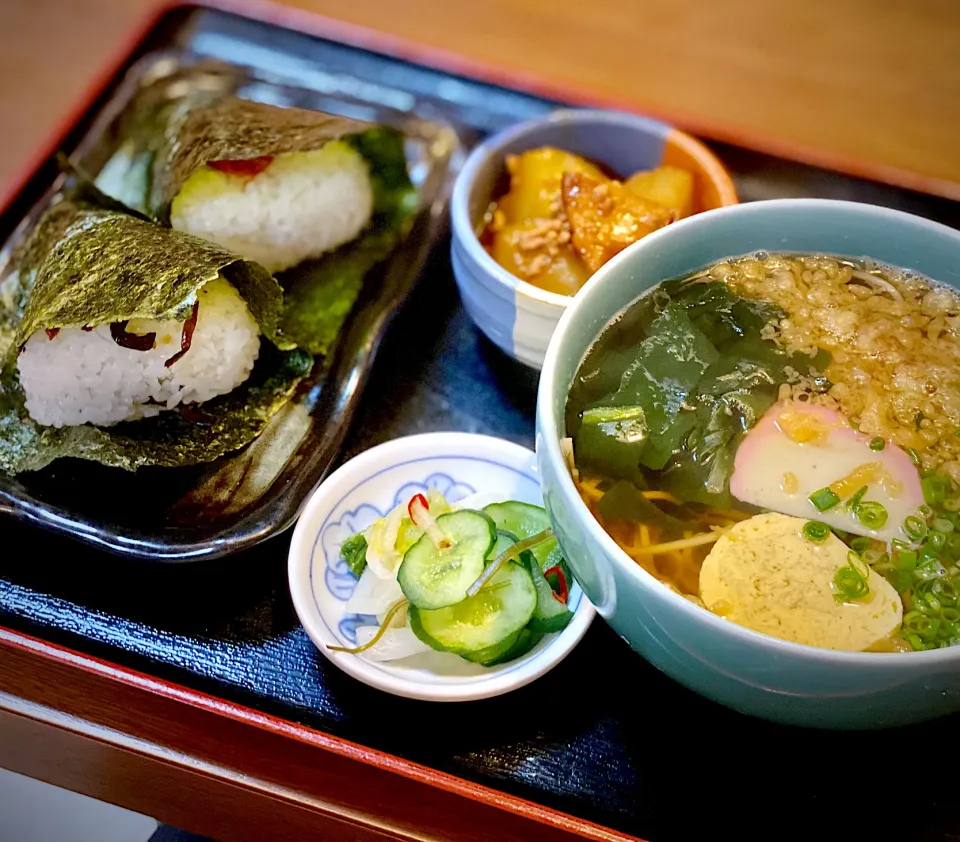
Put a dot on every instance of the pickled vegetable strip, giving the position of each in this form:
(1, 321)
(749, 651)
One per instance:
(387, 620)
(509, 555)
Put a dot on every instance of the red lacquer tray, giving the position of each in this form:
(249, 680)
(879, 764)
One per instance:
(190, 692)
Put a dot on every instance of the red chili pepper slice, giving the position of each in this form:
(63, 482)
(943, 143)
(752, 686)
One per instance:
(52, 332)
(247, 167)
(561, 592)
(186, 336)
(133, 341)
(414, 499)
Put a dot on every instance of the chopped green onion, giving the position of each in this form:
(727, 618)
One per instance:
(951, 615)
(872, 557)
(854, 501)
(930, 601)
(857, 563)
(937, 540)
(928, 569)
(941, 524)
(850, 583)
(816, 531)
(935, 489)
(871, 515)
(913, 455)
(915, 528)
(824, 499)
(907, 559)
(919, 624)
(860, 544)
(946, 591)
(877, 443)
(901, 577)
(932, 629)
(924, 511)
(607, 414)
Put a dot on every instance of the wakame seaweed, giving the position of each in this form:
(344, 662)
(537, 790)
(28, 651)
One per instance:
(678, 399)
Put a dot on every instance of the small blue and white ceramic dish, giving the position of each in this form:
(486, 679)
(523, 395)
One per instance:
(458, 465)
(517, 316)
(751, 672)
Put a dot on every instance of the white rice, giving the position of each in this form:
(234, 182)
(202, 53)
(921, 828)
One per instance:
(85, 377)
(302, 205)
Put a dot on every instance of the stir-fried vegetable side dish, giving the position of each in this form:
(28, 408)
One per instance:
(563, 217)
(485, 584)
(778, 439)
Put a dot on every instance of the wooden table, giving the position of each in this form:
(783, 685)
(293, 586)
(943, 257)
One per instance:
(871, 88)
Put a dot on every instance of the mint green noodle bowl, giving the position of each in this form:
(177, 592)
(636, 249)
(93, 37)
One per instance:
(731, 664)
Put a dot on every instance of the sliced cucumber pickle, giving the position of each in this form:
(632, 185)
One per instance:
(497, 653)
(504, 541)
(431, 577)
(525, 520)
(512, 648)
(481, 624)
(550, 615)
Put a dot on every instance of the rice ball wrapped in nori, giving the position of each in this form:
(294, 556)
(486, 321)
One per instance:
(121, 319)
(280, 211)
(318, 198)
(124, 371)
(276, 185)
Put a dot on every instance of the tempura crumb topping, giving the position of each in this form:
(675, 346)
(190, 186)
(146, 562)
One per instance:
(894, 340)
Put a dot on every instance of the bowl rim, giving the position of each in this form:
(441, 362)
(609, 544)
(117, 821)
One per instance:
(366, 466)
(463, 230)
(549, 444)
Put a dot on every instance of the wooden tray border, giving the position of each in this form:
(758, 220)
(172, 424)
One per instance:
(231, 772)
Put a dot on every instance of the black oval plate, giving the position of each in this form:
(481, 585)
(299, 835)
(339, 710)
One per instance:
(203, 512)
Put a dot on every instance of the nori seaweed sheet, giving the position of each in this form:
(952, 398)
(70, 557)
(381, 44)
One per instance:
(85, 265)
(169, 439)
(232, 129)
(185, 135)
(319, 294)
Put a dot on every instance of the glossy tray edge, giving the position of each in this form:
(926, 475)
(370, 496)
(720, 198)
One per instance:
(521, 819)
